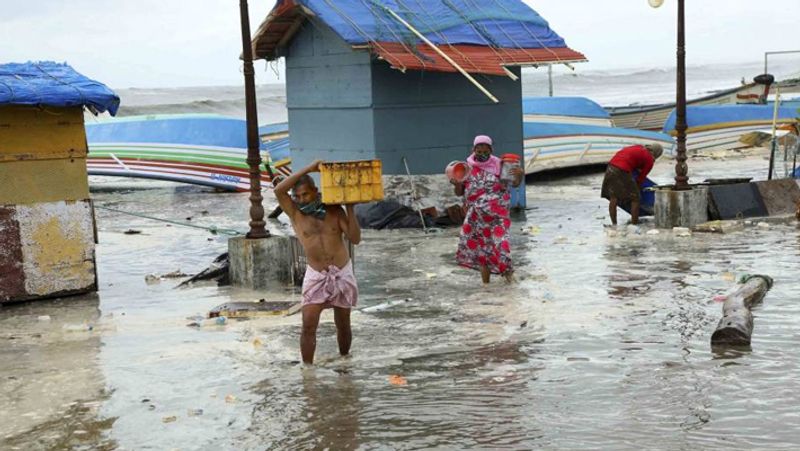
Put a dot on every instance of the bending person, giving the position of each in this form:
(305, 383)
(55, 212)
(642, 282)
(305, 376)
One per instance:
(619, 184)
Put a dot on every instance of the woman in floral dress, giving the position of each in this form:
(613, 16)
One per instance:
(484, 244)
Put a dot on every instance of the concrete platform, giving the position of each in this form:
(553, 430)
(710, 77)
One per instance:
(259, 264)
(681, 208)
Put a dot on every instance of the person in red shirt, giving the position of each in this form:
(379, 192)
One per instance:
(619, 185)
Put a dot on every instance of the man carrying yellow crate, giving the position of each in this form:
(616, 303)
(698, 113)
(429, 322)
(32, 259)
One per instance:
(329, 280)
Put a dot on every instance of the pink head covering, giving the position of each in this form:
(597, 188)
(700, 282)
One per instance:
(482, 139)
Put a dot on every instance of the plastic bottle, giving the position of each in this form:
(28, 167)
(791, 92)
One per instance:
(510, 161)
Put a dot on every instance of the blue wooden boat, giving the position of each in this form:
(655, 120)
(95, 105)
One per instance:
(573, 131)
(201, 149)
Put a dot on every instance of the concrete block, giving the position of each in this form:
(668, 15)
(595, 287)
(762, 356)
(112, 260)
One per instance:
(681, 208)
(781, 197)
(735, 201)
(46, 250)
(260, 264)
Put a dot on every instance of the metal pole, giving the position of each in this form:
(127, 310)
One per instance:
(681, 169)
(774, 142)
(257, 224)
(550, 78)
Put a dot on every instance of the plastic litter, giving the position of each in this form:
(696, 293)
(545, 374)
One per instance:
(681, 231)
(398, 380)
(43, 318)
(169, 419)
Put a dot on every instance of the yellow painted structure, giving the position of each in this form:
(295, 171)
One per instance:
(42, 154)
(351, 182)
(47, 230)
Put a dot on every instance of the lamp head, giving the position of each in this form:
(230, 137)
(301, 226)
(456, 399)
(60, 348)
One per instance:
(655, 3)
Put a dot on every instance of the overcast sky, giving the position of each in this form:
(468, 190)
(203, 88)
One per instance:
(149, 43)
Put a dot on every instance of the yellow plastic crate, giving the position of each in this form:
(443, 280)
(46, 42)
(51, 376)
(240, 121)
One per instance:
(351, 182)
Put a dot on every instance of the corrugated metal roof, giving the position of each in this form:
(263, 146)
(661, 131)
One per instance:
(473, 58)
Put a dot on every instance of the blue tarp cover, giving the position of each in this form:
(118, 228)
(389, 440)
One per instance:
(543, 129)
(499, 23)
(192, 129)
(53, 84)
(698, 116)
(563, 106)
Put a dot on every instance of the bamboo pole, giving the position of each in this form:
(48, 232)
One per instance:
(440, 52)
(736, 326)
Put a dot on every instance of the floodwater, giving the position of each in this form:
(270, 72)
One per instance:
(602, 344)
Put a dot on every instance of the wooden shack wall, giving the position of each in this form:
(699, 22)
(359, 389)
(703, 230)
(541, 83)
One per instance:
(47, 232)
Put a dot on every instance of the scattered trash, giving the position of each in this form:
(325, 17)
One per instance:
(156, 278)
(652, 232)
(217, 271)
(257, 343)
(523, 324)
(384, 306)
(634, 229)
(561, 239)
(720, 298)
(395, 379)
(194, 412)
(762, 225)
(718, 226)
(251, 309)
(43, 318)
(200, 321)
(204, 212)
(132, 232)
(230, 399)
(681, 231)
(532, 230)
(728, 276)
(169, 419)
(430, 275)
(77, 327)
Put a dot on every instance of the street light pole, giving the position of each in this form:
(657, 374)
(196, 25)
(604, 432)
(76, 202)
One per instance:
(257, 224)
(681, 169)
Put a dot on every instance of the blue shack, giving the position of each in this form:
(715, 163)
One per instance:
(405, 81)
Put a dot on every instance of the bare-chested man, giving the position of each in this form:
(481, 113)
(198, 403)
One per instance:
(329, 280)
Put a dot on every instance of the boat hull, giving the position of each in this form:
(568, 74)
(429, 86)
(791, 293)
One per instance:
(570, 146)
(653, 117)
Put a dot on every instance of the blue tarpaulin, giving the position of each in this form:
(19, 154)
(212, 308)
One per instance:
(496, 23)
(47, 83)
(563, 106)
(698, 116)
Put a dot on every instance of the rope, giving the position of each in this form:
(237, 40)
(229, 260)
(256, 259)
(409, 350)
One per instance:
(517, 44)
(83, 97)
(391, 30)
(438, 32)
(213, 229)
(533, 35)
(358, 29)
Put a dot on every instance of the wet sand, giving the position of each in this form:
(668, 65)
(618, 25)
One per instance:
(603, 343)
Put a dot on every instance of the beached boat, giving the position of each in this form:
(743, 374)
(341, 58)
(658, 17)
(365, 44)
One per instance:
(653, 117)
(721, 128)
(570, 132)
(200, 149)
